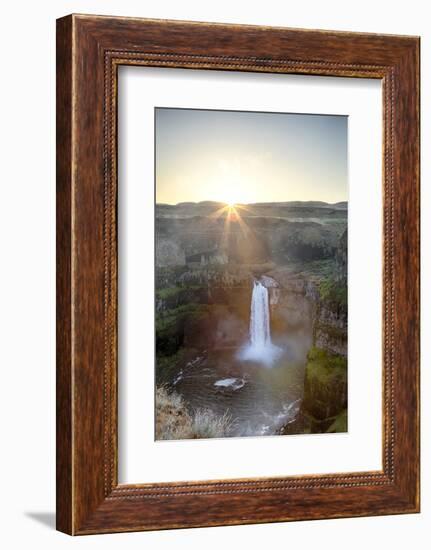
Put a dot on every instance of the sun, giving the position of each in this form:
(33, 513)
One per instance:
(231, 198)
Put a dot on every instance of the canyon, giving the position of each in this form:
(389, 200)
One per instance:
(208, 266)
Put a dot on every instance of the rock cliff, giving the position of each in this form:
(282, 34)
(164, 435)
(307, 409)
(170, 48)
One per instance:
(204, 276)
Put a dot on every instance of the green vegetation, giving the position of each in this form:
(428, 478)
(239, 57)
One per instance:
(333, 293)
(167, 366)
(314, 270)
(168, 319)
(176, 291)
(339, 425)
(170, 327)
(325, 366)
(169, 292)
(319, 268)
(170, 274)
(332, 331)
(325, 388)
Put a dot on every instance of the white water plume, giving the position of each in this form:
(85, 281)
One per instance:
(260, 348)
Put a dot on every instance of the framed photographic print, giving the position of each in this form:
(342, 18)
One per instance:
(237, 274)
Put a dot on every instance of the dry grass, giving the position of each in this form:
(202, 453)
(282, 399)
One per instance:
(206, 424)
(174, 421)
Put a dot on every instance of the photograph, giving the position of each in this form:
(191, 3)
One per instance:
(251, 248)
(212, 306)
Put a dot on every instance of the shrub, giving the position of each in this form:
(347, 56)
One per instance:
(175, 421)
(172, 418)
(206, 424)
(333, 293)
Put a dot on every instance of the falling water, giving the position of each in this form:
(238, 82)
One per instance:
(260, 335)
(260, 348)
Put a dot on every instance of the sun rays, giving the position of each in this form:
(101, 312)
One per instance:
(231, 212)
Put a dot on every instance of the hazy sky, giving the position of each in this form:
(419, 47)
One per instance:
(244, 157)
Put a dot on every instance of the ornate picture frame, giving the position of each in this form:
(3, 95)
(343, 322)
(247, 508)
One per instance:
(89, 51)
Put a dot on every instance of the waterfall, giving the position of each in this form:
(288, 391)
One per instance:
(260, 335)
(260, 348)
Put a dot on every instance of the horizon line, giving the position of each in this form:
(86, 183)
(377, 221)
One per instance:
(252, 203)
